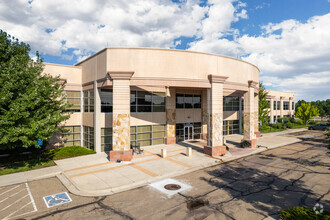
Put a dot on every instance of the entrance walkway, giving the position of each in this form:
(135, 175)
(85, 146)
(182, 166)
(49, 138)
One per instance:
(94, 175)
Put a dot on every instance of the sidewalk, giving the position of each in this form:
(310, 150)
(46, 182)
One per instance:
(95, 175)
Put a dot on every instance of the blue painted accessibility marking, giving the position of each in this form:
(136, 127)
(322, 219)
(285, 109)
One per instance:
(57, 199)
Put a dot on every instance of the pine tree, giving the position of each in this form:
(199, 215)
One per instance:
(32, 104)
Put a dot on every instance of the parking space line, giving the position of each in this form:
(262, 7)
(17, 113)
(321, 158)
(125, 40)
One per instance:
(18, 211)
(11, 195)
(10, 189)
(32, 200)
(13, 203)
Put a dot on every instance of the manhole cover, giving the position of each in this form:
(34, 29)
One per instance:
(172, 186)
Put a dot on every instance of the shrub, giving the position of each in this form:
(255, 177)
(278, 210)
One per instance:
(312, 122)
(289, 125)
(303, 213)
(292, 120)
(299, 122)
(66, 152)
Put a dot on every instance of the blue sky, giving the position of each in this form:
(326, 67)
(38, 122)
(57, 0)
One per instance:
(287, 39)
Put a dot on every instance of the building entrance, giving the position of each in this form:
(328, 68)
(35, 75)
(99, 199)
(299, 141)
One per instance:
(188, 132)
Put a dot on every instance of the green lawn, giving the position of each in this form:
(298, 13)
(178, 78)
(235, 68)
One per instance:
(272, 130)
(20, 163)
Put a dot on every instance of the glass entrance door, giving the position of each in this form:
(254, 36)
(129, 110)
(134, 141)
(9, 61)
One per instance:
(188, 132)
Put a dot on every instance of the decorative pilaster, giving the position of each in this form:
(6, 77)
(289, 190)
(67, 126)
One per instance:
(215, 145)
(256, 114)
(121, 148)
(281, 106)
(170, 115)
(204, 115)
(249, 115)
(97, 119)
(290, 106)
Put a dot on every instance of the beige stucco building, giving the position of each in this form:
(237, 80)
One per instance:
(124, 97)
(281, 105)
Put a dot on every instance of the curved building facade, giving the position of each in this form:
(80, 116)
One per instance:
(124, 97)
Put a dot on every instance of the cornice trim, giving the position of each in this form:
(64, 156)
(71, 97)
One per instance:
(121, 74)
(217, 79)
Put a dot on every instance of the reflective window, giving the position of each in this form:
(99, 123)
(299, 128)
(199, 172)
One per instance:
(230, 103)
(145, 101)
(278, 105)
(106, 100)
(71, 136)
(286, 105)
(89, 137)
(89, 101)
(74, 99)
(188, 101)
(274, 107)
(292, 105)
(146, 135)
(230, 127)
(106, 139)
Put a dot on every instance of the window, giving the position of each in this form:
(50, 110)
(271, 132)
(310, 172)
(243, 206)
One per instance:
(73, 98)
(106, 100)
(274, 108)
(71, 137)
(106, 139)
(230, 127)
(188, 101)
(292, 105)
(278, 105)
(89, 101)
(230, 103)
(285, 105)
(147, 135)
(89, 137)
(144, 101)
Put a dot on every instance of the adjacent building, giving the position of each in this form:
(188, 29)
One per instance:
(281, 105)
(124, 97)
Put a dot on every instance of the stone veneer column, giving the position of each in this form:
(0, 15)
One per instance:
(249, 114)
(240, 115)
(281, 106)
(170, 115)
(121, 148)
(204, 114)
(256, 115)
(215, 145)
(271, 110)
(97, 119)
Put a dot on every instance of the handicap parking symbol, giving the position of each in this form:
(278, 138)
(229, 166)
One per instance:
(58, 199)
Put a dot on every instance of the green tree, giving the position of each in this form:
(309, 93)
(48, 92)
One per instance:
(306, 111)
(263, 104)
(32, 104)
(298, 104)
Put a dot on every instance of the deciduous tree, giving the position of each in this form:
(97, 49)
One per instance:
(306, 111)
(32, 104)
(263, 104)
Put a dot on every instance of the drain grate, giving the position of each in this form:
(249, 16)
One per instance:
(172, 186)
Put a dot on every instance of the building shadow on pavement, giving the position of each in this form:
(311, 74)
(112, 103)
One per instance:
(254, 190)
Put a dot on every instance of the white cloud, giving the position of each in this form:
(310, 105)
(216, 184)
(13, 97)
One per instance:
(91, 25)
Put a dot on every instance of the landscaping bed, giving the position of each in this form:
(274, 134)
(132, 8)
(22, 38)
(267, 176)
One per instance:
(304, 214)
(23, 161)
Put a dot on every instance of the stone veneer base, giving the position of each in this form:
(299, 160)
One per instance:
(170, 140)
(258, 134)
(253, 143)
(215, 151)
(121, 155)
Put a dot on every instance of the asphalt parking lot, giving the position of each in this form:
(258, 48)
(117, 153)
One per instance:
(253, 187)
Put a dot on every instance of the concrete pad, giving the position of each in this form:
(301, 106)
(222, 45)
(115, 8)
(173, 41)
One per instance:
(114, 178)
(132, 174)
(162, 167)
(89, 182)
